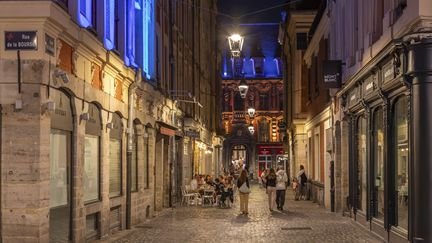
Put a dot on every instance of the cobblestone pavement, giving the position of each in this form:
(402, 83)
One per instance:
(301, 221)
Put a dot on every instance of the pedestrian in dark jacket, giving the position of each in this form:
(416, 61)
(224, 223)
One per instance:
(271, 189)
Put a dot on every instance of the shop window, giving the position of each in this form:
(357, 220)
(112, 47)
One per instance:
(316, 156)
(59, 156)
(361, 163)
(146, 163)
(378, 167)
(115, 156)
(91, 168)
(134, 165)
(115, 168)
(60, 169)
(400, 156)
(92, 155)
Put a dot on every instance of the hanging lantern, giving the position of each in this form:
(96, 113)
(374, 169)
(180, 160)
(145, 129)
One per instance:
(251, 129)
(251, 112)
(235, 42)
(243, 88)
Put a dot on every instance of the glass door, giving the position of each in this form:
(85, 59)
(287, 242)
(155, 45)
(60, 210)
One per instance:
(378, 181)
(60, 186)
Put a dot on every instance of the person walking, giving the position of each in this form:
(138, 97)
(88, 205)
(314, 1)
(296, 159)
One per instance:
(301, 186)
(271, 189)
(244, 190)
(281, 181)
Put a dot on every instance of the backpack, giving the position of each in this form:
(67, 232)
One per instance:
(303, 179)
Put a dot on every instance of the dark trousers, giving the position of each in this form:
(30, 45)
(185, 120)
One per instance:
(280, 198)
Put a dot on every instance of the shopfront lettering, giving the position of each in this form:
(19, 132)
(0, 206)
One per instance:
(60, 112)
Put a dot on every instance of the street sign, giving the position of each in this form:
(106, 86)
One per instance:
(20, 40)
(49, 45)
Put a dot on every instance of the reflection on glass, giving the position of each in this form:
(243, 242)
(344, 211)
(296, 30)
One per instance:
(59, 186)
(134, 186)
(59, 170)
(378, 143)
(91, 168)
(115, 168)
(400, 131)
(361, 156)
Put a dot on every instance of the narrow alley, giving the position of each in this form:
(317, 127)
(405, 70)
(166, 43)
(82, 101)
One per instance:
(301, 221)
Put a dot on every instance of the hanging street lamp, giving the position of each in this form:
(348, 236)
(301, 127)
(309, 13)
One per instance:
(251, 112)
(243, 88)
(251, 129)
(235, 42)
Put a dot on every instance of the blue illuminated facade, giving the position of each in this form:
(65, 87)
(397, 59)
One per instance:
(135, 27)
(260, 56)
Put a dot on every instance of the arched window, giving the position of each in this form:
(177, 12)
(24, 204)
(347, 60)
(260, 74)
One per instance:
(400, 157)
(91, 175)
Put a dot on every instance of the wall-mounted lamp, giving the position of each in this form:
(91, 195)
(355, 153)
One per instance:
(50, 105)
(110, 125)
(62, 75)
(85, 116)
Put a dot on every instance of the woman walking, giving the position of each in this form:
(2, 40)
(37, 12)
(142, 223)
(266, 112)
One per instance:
(271, 189)
(244, 190)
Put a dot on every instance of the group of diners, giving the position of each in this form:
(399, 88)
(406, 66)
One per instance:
(221, 188)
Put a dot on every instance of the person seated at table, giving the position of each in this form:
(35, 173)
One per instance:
(209, 180)
(200, 180)
(227, 191)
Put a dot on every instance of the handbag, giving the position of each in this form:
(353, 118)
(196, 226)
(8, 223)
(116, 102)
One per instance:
(244, 188)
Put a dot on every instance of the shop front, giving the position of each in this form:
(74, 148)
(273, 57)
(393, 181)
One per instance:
(270, 156)
(385, 109)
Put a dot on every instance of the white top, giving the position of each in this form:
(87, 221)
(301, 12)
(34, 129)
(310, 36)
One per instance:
(281, 180)
(194, 184)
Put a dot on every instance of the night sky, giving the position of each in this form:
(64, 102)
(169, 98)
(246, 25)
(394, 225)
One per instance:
(237, 8)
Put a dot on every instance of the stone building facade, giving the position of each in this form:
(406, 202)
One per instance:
(95, 106)
(376, 112)
(260, 67)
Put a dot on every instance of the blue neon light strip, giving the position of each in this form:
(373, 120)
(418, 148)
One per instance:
(84, 14)
(109, 24)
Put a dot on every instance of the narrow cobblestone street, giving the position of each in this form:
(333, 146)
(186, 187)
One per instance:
(301, 221)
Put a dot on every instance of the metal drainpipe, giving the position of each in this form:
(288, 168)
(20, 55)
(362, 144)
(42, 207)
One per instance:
(130, 133)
